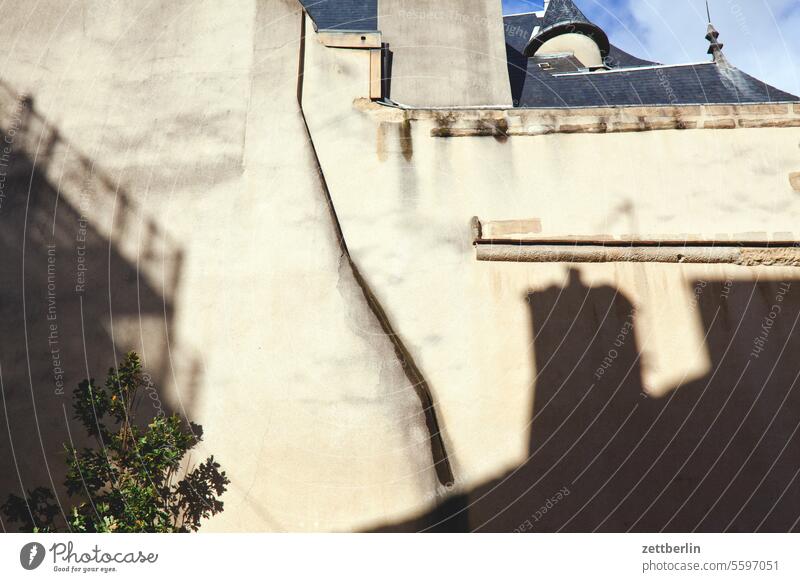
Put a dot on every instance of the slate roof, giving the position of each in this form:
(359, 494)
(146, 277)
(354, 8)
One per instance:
(554, 81)
(359, 15)
(619, 58)
(519, 28)
(704, 83)
(561, 11)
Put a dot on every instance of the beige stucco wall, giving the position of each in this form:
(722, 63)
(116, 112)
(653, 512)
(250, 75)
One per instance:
(405, 198)
(266, 340)
(263, 335)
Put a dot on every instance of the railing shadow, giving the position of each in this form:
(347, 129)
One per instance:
(85, 276)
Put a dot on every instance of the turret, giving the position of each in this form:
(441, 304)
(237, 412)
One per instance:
(565, 29)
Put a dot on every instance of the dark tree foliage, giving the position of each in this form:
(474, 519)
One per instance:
(136, 479)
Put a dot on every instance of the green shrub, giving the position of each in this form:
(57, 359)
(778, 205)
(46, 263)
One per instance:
(135, 479)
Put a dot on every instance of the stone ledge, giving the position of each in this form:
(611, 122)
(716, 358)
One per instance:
(502, 123)
(744, 256)
(530, 231)
(523, 241)
(759, 109)
(769, 122)
(719, 124)
(349, 39)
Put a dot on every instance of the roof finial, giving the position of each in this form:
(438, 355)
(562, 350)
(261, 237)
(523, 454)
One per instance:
(715, 47)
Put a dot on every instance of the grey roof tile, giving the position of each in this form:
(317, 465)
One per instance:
(343, 14)
(705, 83)
(561, 12)
(519, 28)
(619, 58)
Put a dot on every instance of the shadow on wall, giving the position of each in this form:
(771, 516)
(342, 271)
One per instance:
(718, 454)
(73, 300)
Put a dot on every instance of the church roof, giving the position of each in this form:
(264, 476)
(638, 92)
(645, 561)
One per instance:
(703, 83)
(359, 15)
(558, 81)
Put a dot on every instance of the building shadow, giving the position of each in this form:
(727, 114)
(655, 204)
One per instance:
(85, 276)
(717, 454)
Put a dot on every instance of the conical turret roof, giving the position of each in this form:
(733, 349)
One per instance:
(564, 17)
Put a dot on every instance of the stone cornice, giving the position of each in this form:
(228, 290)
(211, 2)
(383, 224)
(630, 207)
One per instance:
(507, 122)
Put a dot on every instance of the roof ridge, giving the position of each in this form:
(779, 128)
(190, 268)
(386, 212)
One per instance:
(636, 68)
(536, 12)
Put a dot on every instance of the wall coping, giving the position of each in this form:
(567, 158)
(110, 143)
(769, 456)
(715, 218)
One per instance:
(503, 122)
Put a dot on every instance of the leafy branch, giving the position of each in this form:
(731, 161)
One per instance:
(136, 479)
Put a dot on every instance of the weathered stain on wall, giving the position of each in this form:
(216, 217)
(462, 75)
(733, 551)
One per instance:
(794, 180)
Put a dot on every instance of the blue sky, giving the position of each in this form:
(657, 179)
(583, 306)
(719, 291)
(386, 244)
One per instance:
(761, 36)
